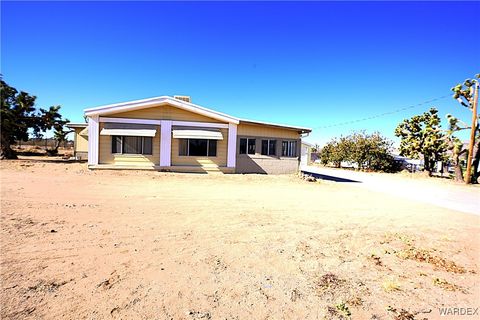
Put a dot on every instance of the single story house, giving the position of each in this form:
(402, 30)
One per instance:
(173, 134)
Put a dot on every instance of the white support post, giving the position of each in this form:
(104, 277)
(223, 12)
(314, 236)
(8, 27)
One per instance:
(165, 143)
(232, 145)
(93, 137)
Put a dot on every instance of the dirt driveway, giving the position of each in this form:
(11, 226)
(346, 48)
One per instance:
(439, 192)
(107, 244)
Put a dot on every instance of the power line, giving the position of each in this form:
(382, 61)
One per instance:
(385, 113)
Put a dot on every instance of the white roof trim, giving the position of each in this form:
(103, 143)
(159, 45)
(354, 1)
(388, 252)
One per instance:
(128, 132)
(76, 125)
(276, 125)
(197, 134)
(158, 101)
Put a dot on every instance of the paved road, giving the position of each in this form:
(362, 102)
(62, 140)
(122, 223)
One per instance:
(451, 196)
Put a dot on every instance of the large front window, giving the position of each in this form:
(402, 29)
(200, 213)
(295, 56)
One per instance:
(289, 148)
(198, 147)
(131, 145)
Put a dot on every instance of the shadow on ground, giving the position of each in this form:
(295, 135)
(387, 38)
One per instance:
(329, 178)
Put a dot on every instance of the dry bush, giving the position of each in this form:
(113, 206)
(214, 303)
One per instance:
(390, 285)
(444, 284)
(328, 281)
(423, 255)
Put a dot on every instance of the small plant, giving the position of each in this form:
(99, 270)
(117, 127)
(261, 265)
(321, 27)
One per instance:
(329, 281)
(444, 284)
(401, 314)
(390, 285)
(376, 259)
(343, 308)
(356, 301)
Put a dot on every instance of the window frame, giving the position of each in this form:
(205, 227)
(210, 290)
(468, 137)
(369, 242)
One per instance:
(268, 148)
(130, 154)
(188, 148)
(247, 145)
(291, 150)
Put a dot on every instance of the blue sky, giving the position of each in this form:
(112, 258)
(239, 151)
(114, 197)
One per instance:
(312, 64)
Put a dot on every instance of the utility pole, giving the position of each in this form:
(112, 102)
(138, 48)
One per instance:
(472, 135)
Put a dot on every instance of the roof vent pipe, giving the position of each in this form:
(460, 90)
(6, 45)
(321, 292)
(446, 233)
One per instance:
(184, 98)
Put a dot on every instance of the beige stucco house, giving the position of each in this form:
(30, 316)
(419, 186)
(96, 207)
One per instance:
(173, 134)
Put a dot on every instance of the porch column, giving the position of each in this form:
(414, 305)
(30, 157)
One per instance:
(165, 143)
(93, 137)
(232, 145)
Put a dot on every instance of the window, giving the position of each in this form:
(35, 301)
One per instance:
(131, 145)
(116, 144)
(212, 148)
(269, 147)
(247, 146)
(289, 148)
(197, 147)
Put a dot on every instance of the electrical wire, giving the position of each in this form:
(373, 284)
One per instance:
(385, 113)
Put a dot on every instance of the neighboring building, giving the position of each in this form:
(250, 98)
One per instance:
(172, 134)
(80, 140)
(306, 154)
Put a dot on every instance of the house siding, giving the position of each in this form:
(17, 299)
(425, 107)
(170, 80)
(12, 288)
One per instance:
(254, 130)
(258, 163)
(164, 112)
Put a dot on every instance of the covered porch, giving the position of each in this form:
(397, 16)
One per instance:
(169, 143)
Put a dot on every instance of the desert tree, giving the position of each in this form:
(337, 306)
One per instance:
(53, 121)
(421, 135)
(455, 145)
(19, 116)
(335, 152)
(464, 94)
(371, 152)
(326, 153)
(368, 151)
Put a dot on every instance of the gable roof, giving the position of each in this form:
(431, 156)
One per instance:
(158, 101)
(188, 106)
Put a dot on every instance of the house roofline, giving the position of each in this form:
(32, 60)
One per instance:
(76, 125)
(150, 102)
(145, 103)
(271, 124)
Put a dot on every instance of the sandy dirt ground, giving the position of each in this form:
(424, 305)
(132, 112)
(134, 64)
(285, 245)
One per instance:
(80, 244)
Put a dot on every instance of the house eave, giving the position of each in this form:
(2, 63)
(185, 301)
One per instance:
(77, 125)
(277, 125)
(158, 101)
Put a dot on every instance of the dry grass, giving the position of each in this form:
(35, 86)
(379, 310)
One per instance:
(427, 256)
(444, 284)
(328, 282)
(403, 314)
(390, 285)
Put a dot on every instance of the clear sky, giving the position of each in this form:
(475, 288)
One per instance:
(311, 64)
